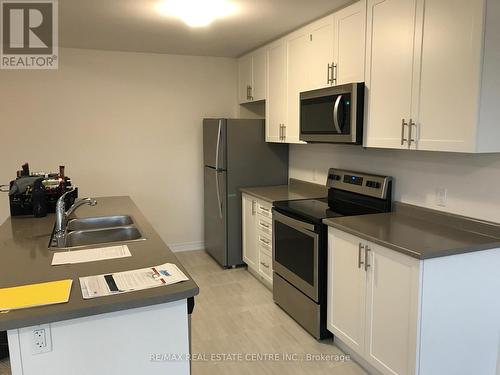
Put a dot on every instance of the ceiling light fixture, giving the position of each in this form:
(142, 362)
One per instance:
(197, 13)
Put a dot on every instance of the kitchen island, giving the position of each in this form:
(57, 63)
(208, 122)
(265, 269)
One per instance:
(130, 333)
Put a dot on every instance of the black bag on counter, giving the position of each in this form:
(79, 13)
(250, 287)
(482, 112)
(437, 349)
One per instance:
(4, 347)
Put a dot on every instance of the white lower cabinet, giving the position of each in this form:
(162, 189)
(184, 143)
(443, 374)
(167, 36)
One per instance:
(257, 237)
(373, 302)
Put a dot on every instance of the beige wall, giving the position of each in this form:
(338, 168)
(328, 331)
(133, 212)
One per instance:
(472, 181)
(123, 124)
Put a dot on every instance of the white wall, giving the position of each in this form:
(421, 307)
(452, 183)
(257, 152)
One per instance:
(123, 124)
(472, 181)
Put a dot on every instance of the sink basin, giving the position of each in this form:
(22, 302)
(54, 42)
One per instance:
(102, 236)
(101, 222)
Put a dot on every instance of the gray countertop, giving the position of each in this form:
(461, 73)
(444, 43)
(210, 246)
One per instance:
(25, 259)
(422, 233)
(296, 189)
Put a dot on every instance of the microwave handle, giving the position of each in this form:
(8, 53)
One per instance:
(336, 114)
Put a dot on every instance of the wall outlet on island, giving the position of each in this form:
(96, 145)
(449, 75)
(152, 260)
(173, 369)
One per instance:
(42, 342)
(441, 196)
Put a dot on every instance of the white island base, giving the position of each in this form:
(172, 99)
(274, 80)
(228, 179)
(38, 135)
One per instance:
(145, 340)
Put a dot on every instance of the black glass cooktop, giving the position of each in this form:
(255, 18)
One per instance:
(311, 209)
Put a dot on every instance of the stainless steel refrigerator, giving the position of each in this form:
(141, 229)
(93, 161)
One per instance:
(235, 155)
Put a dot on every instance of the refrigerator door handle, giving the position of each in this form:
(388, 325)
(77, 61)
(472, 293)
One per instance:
(218, 147)
(219, 203)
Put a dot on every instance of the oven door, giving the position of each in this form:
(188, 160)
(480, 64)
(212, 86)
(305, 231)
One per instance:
(295, 253)
(330, 114)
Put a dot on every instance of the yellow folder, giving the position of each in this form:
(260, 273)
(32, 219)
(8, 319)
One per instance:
(22, 297)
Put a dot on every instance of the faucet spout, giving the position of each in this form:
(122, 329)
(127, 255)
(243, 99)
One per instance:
(79, 203)
(62, 215)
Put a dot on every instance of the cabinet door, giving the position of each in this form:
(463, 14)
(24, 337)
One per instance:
(320, 53)
(450, 74)
(245, 78)
(249, 232)
(259, 66)
(346, 290)
(392, 311)
(349, 48)
(297, 81)
(389, 71)
(276, 91)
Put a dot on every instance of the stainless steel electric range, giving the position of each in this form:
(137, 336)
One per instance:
(300, 243)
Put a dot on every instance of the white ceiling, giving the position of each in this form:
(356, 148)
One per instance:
(135, 25)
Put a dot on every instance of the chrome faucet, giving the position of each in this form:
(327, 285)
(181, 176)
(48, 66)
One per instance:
(62, 215)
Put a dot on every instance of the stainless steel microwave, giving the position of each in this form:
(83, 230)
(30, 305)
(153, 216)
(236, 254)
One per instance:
(333, 114)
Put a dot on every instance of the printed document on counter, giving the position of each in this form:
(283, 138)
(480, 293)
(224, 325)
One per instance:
(129, 281)
(90, 255)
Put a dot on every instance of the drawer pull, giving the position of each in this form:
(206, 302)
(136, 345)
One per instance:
(264, 209)
(264, 264)
(265, 241)
(264, 225)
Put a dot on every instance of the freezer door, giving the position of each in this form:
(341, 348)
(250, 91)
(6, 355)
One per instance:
(216, 214)
(214, 143)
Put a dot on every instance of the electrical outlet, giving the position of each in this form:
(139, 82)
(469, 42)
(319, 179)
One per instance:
(441, 196)
(42, 342)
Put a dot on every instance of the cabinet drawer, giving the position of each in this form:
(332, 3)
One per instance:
(265, 210)
(265, 243)
(265, 226)
(265, 264)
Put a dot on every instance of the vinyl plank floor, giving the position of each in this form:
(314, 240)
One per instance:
(235, 314)
(236, 323)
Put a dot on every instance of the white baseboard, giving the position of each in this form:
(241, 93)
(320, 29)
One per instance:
(187, 246)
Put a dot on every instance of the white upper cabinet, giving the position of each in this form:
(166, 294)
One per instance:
(297, 81)
(450, 75)
(252, 72)
(319, 53)
(389, 72)
(276, 92)
(432, 75)
(245, 78)
(349, 44)
(259, 63)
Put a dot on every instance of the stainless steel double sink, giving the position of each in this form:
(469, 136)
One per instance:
(99, 231)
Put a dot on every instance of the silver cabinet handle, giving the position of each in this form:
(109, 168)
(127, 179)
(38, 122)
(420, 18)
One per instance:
(264, 264)
(360, 248)
(281, 136)
(284, 133)
(329, 74)
(264, 209)
(336, 114)
(264, 225)
(403, 139)
(253, 208)
(334, 74)
(251, 93)
(410, 127)
(367, 265)
(263, 240)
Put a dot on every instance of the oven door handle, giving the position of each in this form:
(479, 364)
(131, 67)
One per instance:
(336, 114)
(297, 224)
